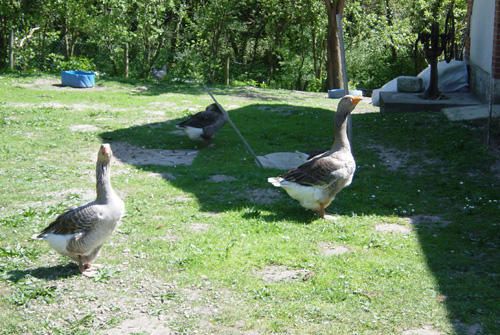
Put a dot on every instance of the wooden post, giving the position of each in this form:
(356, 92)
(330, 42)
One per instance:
(11, 50)
(344, 71)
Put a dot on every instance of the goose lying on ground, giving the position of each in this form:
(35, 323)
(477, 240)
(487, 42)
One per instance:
(159, 74)
(316, 182)
(80, 232)
(203, 125)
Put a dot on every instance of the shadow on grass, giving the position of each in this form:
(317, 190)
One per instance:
(45, 272)
(453, 181)
(154, 88)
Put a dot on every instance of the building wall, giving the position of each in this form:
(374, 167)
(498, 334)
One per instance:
(481, 32)
(482, 47)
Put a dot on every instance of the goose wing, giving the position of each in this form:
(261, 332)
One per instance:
(322, 170)
(200, 120)
(75, 220)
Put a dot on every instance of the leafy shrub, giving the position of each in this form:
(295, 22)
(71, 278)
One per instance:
(58, 63)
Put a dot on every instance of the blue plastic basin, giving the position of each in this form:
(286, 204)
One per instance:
(82, 79)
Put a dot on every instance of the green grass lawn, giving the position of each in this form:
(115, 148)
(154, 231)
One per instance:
(240, 257)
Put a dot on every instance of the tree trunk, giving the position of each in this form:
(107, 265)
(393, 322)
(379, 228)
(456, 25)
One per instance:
(389, 16)
(226, 72)
(333, 65)
(125, 59)
(11, 49)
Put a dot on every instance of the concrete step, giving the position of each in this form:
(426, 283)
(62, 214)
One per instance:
(414, 102)
(470, 112)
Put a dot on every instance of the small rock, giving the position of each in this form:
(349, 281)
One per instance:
(220, 178)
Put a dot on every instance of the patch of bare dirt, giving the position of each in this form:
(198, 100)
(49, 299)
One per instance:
(395, 160)
(428, 221)
(199, 227)
(170, 236)
(426, 330)
(392, 228)
(55, 84)
(163, 104)
(180, 199)
(263, 196)
(252, 93)
(327, 249)
(164, 175)
(141, 323)
(140, 89)
(474, 329)
(134, 155)
(154, 113)
(221, 178)
(280, 273)
(53, 198)
(83, 128)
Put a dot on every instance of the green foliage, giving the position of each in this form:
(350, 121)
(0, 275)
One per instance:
(274, 43)
(58, 63)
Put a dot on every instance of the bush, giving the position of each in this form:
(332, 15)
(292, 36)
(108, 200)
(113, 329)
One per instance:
(57, 63)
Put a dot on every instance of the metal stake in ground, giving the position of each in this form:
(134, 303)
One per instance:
(247, 146)
(340, 33)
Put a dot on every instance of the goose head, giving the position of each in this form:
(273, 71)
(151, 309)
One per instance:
(347, 103)
(104, 155)
(213, 108)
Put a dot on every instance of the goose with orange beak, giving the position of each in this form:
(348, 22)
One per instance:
(316, 182)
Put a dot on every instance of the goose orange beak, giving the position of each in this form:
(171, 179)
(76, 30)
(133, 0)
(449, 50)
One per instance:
(356, 99)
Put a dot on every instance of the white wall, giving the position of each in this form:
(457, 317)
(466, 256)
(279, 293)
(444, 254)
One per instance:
(481, 32)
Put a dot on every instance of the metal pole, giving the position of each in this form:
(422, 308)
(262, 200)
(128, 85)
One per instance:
(344, 71)
(247, 146)
(490, 106)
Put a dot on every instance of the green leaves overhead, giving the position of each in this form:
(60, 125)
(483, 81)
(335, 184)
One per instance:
(269, 42)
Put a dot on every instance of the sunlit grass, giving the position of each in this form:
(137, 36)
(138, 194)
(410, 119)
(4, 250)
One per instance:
(388, 282)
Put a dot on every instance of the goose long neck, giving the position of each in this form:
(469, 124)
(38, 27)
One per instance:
(103, 182)
(340, 132)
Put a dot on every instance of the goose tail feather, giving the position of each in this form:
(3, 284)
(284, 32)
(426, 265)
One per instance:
(275, 181)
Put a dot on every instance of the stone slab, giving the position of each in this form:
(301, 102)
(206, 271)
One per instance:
(283, 160)
(470, 112)
(415, 102)
(410, 84)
